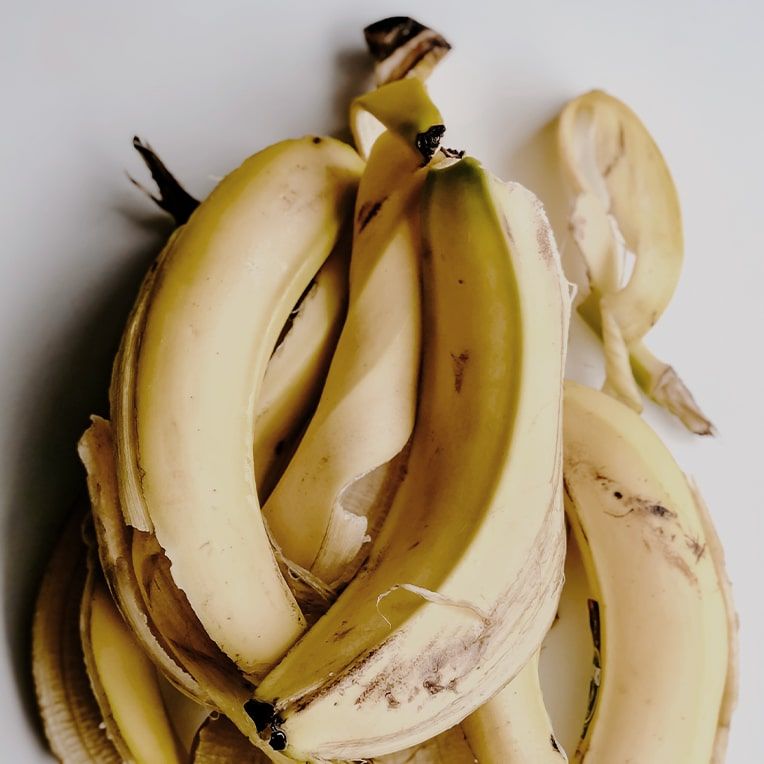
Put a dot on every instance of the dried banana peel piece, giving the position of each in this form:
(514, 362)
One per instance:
(660, 381)
(607, 152)
(402, 47)
(624, 200)
(70, 713)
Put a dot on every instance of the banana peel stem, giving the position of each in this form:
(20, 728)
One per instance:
(660, 382)
(173, 198)
(402, 47)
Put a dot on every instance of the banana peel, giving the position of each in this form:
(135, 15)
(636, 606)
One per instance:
(68, 707)
(624, 201)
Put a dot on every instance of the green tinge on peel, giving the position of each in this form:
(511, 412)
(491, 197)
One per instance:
(402, 107)
(491, 264)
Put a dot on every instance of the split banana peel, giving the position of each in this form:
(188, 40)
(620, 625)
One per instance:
(327, 515)
(624, 201)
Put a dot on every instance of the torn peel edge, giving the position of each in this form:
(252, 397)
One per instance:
(732, 682)
(435, 598)
(657, 379)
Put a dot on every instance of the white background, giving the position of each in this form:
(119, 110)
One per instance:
(210, 82)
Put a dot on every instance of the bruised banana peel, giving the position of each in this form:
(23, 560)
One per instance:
(386, 653)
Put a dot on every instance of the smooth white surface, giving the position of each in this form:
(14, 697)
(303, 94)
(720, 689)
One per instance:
(208, 83)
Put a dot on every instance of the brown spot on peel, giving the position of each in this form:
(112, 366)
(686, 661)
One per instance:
(696, 547)
(367, 213)
(459, 363)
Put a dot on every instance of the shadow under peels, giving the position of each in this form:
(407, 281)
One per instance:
(48, 481)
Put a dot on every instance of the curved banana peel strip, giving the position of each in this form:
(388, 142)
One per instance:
(402, 107)
(124, 682)
(97, 452)
(292, 381)
(384, 655)
(69, 710)
(514, 726)
(402, 47)
(297, 369)
(661, 614)
(151, 604)
(607, 153)
(122, 401)
(196, 381)
(619, 380)
(316, 513)
(624, 199)
(660, 382)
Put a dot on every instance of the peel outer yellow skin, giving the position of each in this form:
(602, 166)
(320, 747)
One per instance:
(660, 612)
(70, 713)
(128, 683)
(607, 152)
(372, 382)
(495, 323)
(514, 727)
(220, 298)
